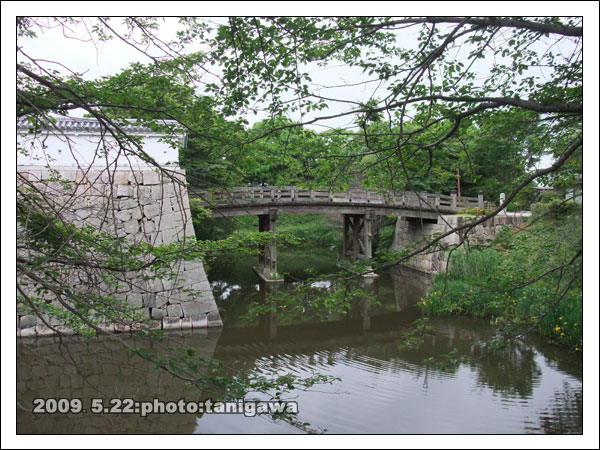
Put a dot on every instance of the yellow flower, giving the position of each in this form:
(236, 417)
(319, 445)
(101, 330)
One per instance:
(557, 328)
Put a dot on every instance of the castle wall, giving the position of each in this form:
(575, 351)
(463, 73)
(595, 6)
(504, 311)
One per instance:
(139, 206)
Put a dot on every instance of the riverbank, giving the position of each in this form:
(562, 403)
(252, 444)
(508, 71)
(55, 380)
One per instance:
(525, 280)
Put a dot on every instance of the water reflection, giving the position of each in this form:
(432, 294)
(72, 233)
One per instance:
(102, 368)
(527, 387)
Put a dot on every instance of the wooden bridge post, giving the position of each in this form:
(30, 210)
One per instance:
(358, 235)
(454, 200)
(368, 218)
(347, 239)
(480, 203)
(267, 256)
(352, 228)
(369, 227)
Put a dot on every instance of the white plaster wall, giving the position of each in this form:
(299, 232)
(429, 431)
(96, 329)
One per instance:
(90, 150)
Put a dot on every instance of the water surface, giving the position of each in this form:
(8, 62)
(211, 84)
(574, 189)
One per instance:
(527, 387)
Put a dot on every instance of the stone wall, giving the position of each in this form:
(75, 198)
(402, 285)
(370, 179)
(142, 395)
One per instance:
(139, 206)
(101, 367)
(412, 233)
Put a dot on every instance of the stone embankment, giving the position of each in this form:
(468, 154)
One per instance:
(410, 234)
(139, 206)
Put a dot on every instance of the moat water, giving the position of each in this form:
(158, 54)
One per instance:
(527, 387)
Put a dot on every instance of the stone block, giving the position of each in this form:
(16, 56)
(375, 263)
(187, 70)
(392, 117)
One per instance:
(161, 299)
(195, 308)
(153, 325)
(150, 177)
(149, 300)
(128, 203)
(168, 284)
(202, 286)
(143, 191)
(169, 236)
(121, 177)
(110, 369)
(135, 300)
(171, 323)
(136, 213)
(51, 320)
(174, 310)
(157, 314)
(124, 190)
(84, 213)
(123, 215)
(62, 329)
(157, 193)
(151, 211)
(148, 227)
(166, 207)
(155, 285)
(132, 227)
(199, 321)
(156, 239)
(186, 323)
(189, 228)
(214, 319)
(168, 190)
(194, 275)
(122, 328)
(43, 330)
(107, 327)
(135, 177)
(170, 221)
(28, 321)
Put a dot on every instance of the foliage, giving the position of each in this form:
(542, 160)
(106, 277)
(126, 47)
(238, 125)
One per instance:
(188, 364)
(313, 230)
(385, 236)
(414, 336)
(309, 230)
(531, 279)
(322, 298)
(473, 212)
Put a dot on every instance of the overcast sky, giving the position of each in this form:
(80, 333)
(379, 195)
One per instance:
(74, 49)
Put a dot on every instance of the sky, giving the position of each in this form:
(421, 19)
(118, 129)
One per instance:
(74, 48)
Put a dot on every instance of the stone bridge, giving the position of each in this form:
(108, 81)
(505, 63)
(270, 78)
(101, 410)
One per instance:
(359, 208)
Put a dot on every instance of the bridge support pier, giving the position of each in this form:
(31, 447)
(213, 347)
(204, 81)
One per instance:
(267, 257)
(358, 236)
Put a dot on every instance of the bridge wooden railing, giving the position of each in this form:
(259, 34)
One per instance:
(244, 196)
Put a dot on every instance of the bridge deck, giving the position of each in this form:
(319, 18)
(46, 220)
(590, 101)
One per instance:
(259, 200)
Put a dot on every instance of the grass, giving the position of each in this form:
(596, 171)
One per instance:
(477, 286)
